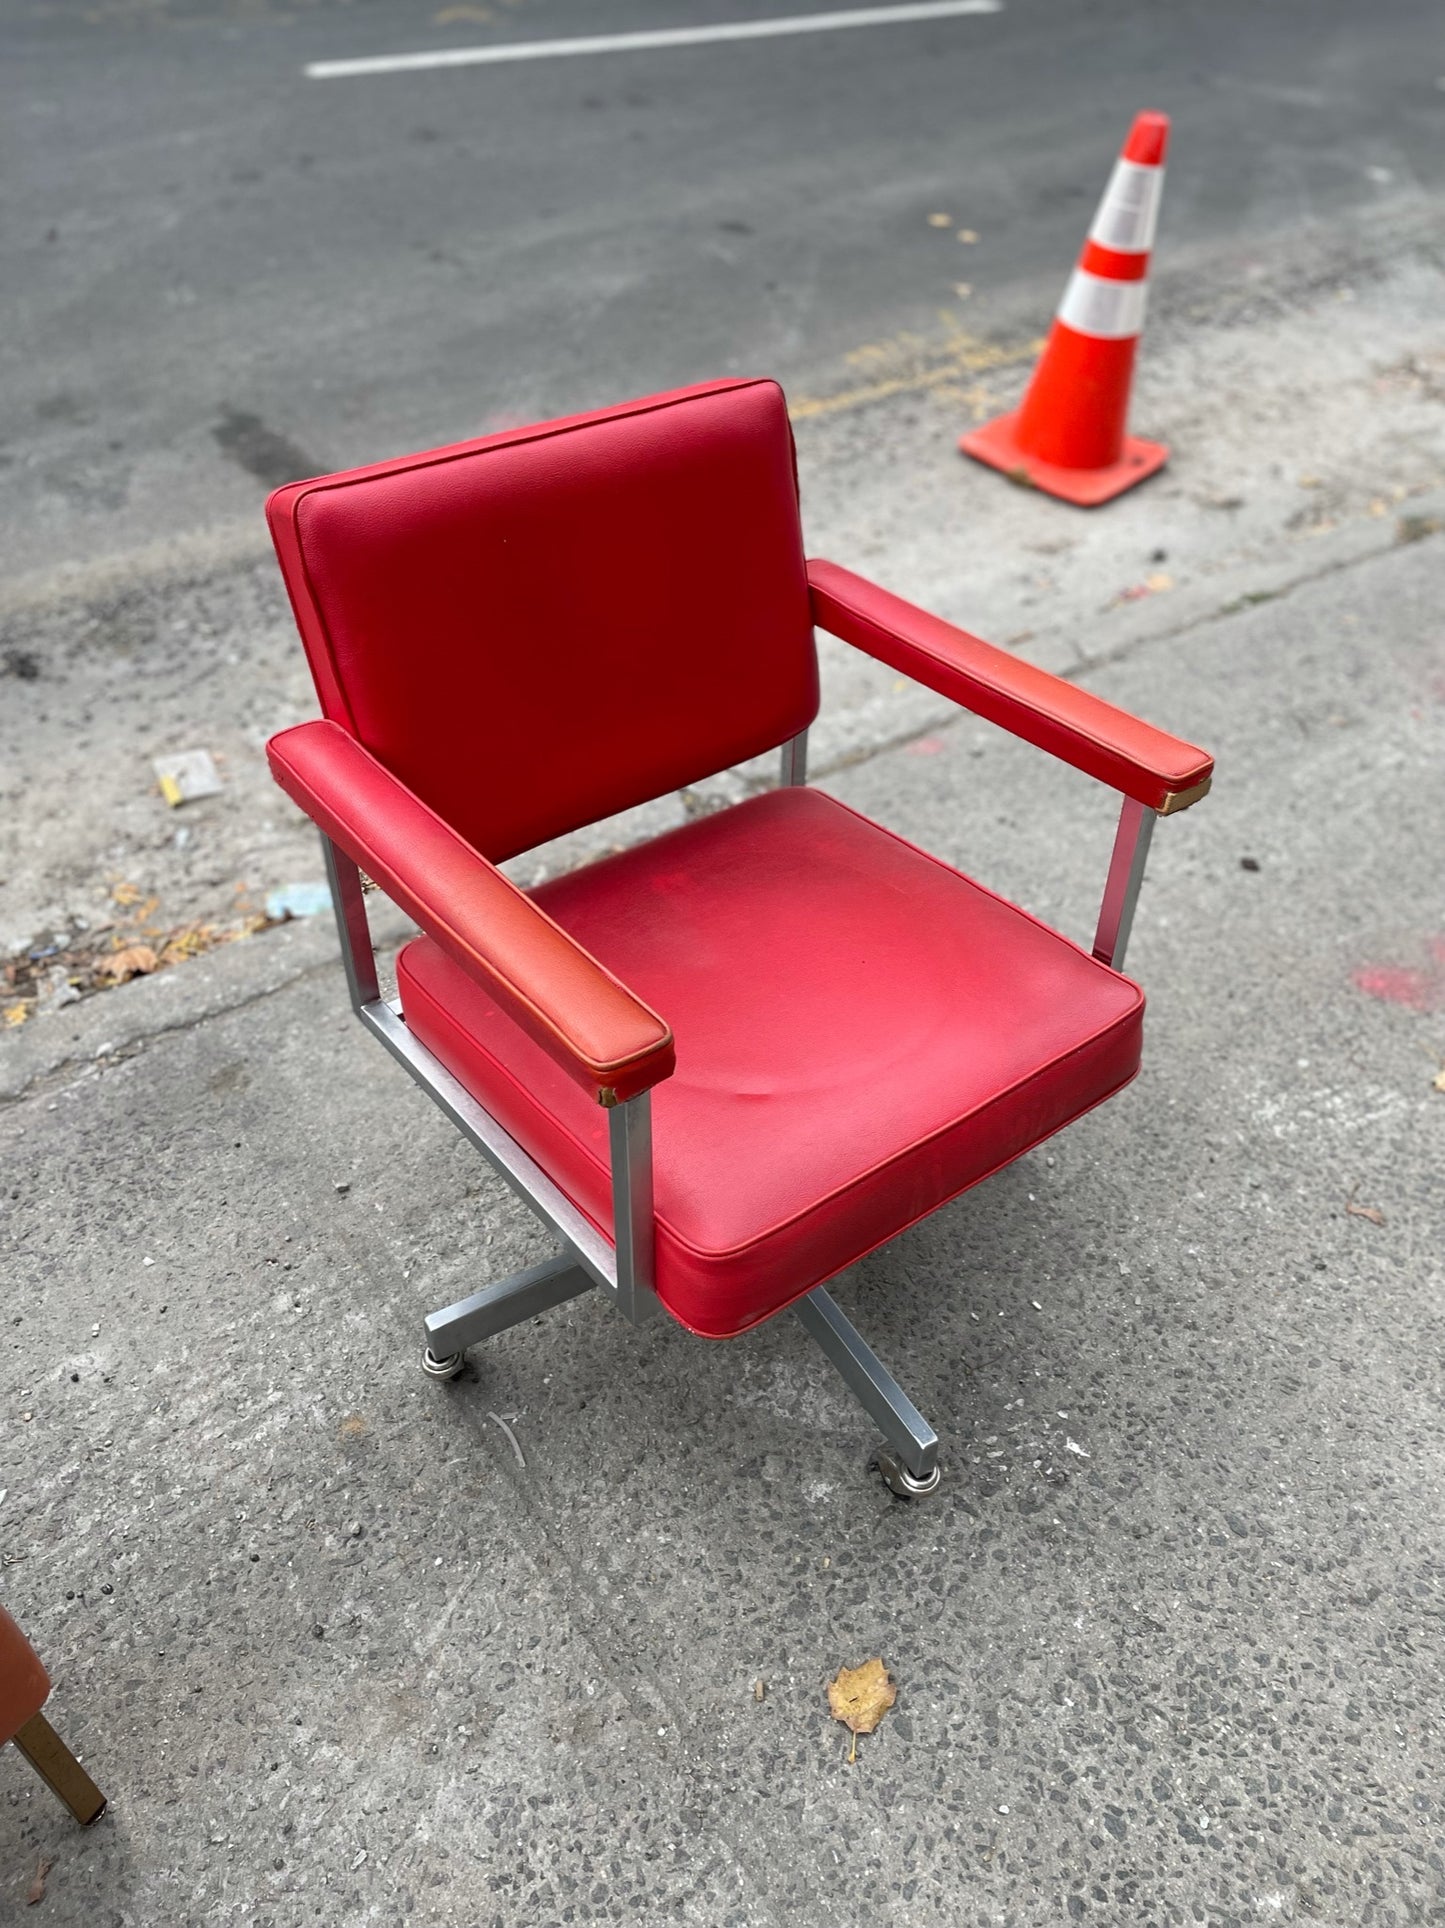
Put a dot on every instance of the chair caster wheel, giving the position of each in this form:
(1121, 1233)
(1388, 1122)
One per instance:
(898, 1479)
(446, 1368)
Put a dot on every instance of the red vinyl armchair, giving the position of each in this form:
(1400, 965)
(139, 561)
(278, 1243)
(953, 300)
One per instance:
(724, 1065)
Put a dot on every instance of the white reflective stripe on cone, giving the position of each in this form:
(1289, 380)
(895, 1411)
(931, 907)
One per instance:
(1112, 310)
(1129, 211)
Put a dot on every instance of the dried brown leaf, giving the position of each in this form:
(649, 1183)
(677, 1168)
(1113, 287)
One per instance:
(860, 1697)
(37, 1886)
(137, 960)
(1371, 1212)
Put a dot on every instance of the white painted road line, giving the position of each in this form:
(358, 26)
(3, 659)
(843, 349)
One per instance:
(621, 43)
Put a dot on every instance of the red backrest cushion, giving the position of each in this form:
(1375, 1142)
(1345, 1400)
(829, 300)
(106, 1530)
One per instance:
(540, 628)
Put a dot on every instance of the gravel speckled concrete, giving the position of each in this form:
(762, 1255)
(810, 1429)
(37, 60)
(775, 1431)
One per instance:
(1168, 1640)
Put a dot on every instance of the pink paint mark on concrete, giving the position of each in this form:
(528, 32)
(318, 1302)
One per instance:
(926, 746)
(1413, 987)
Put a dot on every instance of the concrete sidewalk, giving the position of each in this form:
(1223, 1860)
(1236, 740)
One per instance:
(1169, 1638)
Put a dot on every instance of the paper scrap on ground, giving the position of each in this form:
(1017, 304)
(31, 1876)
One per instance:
(298, 900)
(185, 777)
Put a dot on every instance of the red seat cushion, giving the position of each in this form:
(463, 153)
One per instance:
(862, 1033)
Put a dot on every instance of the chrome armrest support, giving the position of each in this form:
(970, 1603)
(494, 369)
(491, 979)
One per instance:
(348, 900)
(1126, 874)
(630, 1127)
(793, 768)
(626, 1271)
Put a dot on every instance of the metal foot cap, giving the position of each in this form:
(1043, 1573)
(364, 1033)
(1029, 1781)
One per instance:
(898, 1479)
(446, 1368)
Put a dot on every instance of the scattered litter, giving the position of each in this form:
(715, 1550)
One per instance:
(1155, 585)
(963, 289)
(342, 1187)
(37, 1886)
(1414, 528)
(967, 236)
(511, 1436)
(44, 979)
(940, 220)
(860, 1697)
(1036, 1306)
(55, 989)
(1371, 1212)
(1437, 1083)
(297, 900)
(1249, 863)
(760, 1687)
(186, 777)
(1073, 1446)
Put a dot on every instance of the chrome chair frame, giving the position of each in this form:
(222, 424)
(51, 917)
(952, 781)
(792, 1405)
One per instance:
(624, 1270)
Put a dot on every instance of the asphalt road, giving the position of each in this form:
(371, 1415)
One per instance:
(219, 272)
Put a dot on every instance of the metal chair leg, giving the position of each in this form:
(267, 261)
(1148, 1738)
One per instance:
(59, 1769)
(455, 1327)
(909, 1461)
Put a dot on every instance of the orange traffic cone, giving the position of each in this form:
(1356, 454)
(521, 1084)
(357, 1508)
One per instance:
(1068, 437)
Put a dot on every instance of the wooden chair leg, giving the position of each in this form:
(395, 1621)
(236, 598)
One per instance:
(59, 1769)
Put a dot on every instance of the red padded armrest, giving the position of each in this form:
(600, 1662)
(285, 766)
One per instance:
(560, 995)
(1069, 722)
